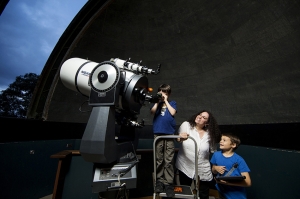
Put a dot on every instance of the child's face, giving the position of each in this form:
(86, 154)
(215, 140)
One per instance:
(226, 144)
(163, 92)
(164, 95)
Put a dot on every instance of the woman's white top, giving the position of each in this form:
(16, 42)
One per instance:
(185, 160)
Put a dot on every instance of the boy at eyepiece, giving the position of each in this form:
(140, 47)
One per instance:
(228, 163)
(164, 124)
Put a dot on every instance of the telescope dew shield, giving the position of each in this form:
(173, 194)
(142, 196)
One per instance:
(98, 81)
(74, 74)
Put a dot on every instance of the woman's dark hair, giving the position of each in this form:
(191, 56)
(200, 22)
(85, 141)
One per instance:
(211, 126)
(165, 88)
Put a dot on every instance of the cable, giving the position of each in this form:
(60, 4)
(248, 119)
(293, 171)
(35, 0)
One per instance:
(81, 106)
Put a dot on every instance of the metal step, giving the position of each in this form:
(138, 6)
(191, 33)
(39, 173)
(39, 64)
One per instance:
(181, 191)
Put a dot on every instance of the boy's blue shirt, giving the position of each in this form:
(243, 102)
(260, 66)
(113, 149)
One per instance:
(231, 192)
(164, 124)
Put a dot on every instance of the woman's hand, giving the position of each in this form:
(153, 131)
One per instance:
(183, 136)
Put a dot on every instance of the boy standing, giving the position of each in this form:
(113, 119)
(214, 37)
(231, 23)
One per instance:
(164, 124)
(227, 163)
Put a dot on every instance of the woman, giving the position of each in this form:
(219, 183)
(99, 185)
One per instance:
(204, 129)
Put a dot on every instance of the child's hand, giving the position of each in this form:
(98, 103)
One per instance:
(164, 96)
(221, 181)
(220, 169)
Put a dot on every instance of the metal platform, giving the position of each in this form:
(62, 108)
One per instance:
(181, 191)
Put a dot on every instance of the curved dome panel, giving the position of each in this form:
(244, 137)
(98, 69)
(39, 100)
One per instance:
(239, 60)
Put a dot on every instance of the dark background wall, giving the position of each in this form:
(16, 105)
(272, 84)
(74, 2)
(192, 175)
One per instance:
(281, 136)
(238, 59)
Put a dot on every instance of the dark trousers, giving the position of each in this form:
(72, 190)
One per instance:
(165, 150)
(203, 187)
